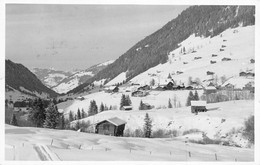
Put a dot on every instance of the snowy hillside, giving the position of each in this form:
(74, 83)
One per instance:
(193, 58)
(216, 123)
(79, 77)
(26, 143)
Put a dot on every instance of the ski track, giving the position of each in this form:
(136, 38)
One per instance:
(45, 153)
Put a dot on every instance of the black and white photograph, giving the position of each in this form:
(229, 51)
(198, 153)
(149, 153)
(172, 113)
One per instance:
(130, 82)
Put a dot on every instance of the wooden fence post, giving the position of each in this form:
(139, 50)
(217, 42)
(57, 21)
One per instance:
(189, 154)
(216, 156)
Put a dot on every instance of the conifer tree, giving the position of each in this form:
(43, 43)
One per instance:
(52, 117)
(190, 97)
(169, 104)
(147, 126)
(62, 124)
(37, 113)
(71, 118)
(83, 113)
(128, 101)
(122, 102)
(141, 106)
(14, 120)
(78, 114)
(196, 96)
(106, 108)
(102, 107)
(92, 108)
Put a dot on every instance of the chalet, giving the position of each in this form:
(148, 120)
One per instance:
(179, 87)
(221, 50)
(179, 72)
(169, 86)
(127, 108)
(223, 46)
(145, 87)
(185, 62)
(242, 74)
(246, 74)
(252, 61)
(224, 40)
(112, 89)
(214, 55)
(210, 73)
(210, 89)
(21, 106)
(113, 127)
(198, 106)
(250, 74)
(189, 87)
(139, 93)
(226, 59)
(80, 98)
(213, 62)
(196, 58)
(159, 88)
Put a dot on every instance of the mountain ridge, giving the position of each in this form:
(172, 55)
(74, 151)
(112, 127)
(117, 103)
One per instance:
(154, 49)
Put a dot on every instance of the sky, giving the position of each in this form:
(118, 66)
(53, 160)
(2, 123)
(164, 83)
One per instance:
(67, 37)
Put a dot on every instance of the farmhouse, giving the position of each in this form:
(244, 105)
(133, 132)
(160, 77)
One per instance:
(21, 106)
(113, 127)
(145, 87)
(112, 89)
(210, 89)
(226, 59)
(127, 108)
(198, 106)
(139, 93)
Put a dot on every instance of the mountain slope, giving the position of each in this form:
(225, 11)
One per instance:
(50, 77)
(154, 49)
(79, 77)
(18, 77)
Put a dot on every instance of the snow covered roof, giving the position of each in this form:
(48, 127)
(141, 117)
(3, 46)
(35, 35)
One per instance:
(210, 88)
(116, 121)
(127, 107)
(198, 103)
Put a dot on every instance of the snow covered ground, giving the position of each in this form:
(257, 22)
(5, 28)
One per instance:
(216, 124)
(236, 44)
(158, 99)
(26, 143)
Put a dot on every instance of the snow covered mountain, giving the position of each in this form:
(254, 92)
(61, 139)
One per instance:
(68, 81)
(50, 77)
(21, 83)
(195, 31)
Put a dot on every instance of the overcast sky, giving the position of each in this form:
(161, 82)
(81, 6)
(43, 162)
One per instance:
(70, 37)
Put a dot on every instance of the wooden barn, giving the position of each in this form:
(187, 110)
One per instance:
(112, 89)
(139, 93)
(127, 108)
(113, 127)
(198, 106)
(145, 87)
(210, 89)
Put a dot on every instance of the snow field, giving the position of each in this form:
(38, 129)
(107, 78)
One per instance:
(238, 46)
(48, 144)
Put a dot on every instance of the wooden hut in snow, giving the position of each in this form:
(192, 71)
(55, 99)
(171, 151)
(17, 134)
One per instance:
(113, 127)
(198, 106)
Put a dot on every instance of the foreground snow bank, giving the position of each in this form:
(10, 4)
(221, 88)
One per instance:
(29, 143)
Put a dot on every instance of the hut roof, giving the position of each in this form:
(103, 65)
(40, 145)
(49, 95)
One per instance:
(198, 103)
(116, 121)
